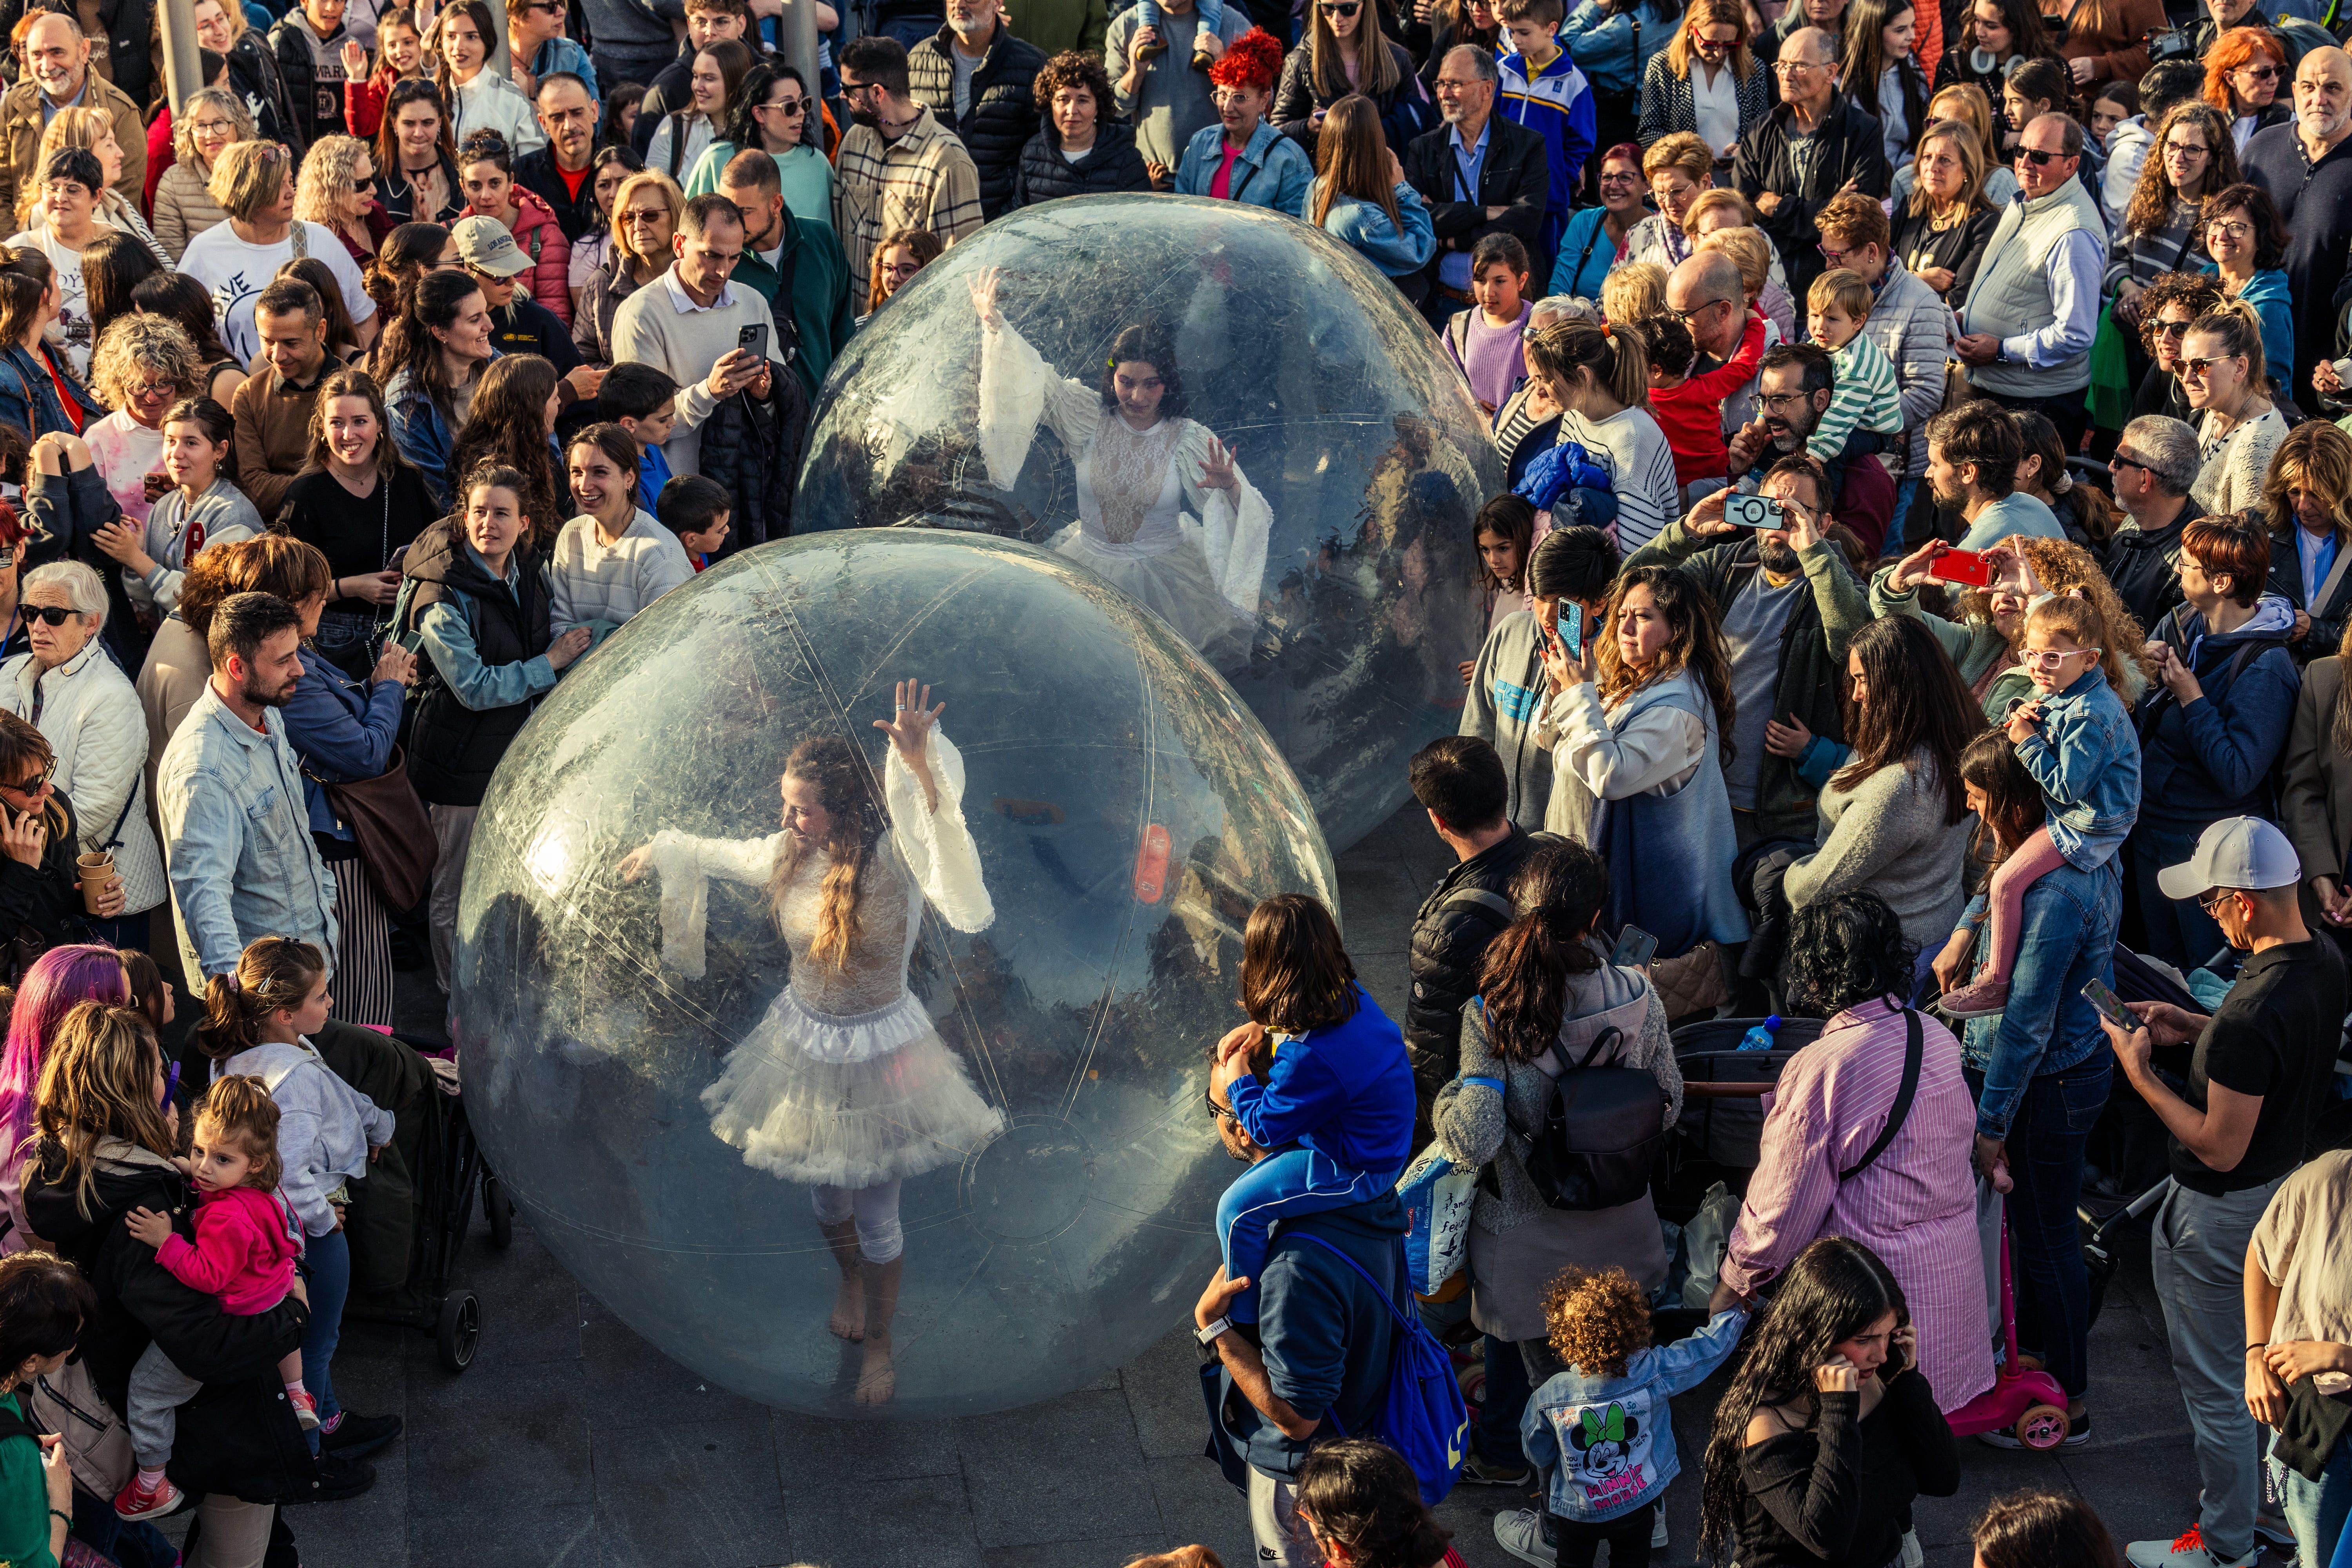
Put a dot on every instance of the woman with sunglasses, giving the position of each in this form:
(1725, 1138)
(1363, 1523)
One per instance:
(417, 157)
(644, 214)
(774, 111)
(1347, 55)
(41, 836)
(336, 190)
(2171, 304)
(2245, 79)
(1706, 81)
(2226, 380)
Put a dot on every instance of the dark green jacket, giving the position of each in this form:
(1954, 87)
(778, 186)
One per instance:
(1812, 651)
(820, 316)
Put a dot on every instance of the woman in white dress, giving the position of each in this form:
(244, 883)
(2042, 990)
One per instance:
(1164, 511)
(844, 1084)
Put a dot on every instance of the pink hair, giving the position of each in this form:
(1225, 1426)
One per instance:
(58, 979)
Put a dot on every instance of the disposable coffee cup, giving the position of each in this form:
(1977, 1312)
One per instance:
(97, 876)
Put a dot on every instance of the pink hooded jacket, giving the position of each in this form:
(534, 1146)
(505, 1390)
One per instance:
(243, 1253)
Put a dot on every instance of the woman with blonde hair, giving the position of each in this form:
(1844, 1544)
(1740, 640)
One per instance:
(1706, 82)
(2246, 77)
(2222, 376)
(2191, 159)
(254, 181)
(644, 215)
(336, 190)
(143, 366)
(1599, 378)
(1362, 196)
(1633, 292)
(895, 261)
(1349, 56)
(2307, 506)
(93, 131)
(1678, 168)
(1964, 103)
(212, 120)
(1941, 231)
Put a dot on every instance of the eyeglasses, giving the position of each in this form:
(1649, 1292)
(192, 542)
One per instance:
(2051, 659)
(212, 127)
(38, 782)
(1773, 402)
(49, 616)
(1790, 67)
(851, 90)
(1834, 257)
(789, 106)
(2184, 150)
(2036, 156)
(1685, 316)
(1701, 41)
(2222, 230)
(2120, 461)
(2212, 903)
(1222, 1112)
(1621, 179)
(162, 392)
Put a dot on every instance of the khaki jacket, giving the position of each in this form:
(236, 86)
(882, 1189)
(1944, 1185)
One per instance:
(20, 133)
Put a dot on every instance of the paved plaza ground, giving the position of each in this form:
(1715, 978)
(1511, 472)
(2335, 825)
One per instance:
(573, 1442)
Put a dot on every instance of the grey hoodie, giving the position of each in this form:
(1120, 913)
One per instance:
(1505, 708)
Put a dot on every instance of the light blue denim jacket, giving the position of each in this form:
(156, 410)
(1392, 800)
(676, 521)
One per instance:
(2067, 938)
(1607, 1444)
(1273, 170)
(2085, 757)
(237, 840)
(1399, 249)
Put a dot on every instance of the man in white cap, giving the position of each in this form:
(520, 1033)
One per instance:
(2263, 1066)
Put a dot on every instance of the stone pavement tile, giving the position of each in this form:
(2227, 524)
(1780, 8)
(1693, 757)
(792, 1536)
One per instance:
(1197, 1504)
(814, 1452)
(490, 1530)
(1096, 1551)
(2145, 1491)
(637, 1384)
(687, 1494)
(531, 1306)
(369, 1531)
(506, 1435)
(1984, 1474)
(1163, 1393)
(1066, 1469)
(861, 1523)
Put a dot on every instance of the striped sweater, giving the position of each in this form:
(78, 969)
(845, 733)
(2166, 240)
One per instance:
(1641, 464)
(1864, 398)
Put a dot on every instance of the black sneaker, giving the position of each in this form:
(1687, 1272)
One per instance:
(2078, 1432)
(352, 1435)
(339, 1477)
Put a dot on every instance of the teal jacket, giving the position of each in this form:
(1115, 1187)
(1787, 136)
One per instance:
(821, 307)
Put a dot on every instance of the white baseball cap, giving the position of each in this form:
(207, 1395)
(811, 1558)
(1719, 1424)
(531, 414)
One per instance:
(2235, 852)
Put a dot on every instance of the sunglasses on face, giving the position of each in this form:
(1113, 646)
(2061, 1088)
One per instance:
(48, 616)
(2172, 331)
(2200, 368)
(2212, 903)
(2260, 73)
(38, 782)
(2035, 156)
(359, 184)
(1700, 41)
(1342, 8)
(790, 106)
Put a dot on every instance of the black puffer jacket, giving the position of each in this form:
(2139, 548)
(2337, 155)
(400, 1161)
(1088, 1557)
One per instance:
(289, 46)
(453, 749)
(2144, 568)
(753, 451)
(238, 1435)
(1468, 909)
(1112, 163)
(1003, 113)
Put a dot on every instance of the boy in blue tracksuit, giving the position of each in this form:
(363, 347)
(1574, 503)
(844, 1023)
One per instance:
(1542, 89)
(1601, 1431)
(1339, 1094)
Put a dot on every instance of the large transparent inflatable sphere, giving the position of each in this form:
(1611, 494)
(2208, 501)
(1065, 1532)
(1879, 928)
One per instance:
(1333, 581)
(776, 1035)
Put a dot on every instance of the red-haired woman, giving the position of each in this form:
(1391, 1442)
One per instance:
(1242, 158)
(2246, 78)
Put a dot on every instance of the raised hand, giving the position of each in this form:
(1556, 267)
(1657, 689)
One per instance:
(983, 296)
(24, 837)
(1217, 469)
(910, 731)
(635, 863)
(356, 61)
(1837, 1375)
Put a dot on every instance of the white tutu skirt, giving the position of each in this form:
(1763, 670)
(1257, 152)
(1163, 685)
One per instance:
(848, 1101)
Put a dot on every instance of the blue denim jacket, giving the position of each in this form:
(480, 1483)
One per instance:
(2085, 757)
(242, 862)
(1607, 1444)
(343, 730)
(28, 398)
(2068, 939)
(421, 432)
(1272, 172)
(1398, 252)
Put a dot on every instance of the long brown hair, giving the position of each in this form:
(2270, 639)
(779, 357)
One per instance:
(2030, 1530)
(1377, 70)
(2153, 197)
(845, 786)
(1917, 700)
(99, 1082)
(1296, 974)
(2014, 804)
(1707, 13)
(275, 973)
(1695, 645)
(1352, 157)
(506, 425)
(26, 753)
(352, 382)
(1557, 896)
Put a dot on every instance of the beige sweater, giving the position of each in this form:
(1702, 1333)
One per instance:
(182, 210)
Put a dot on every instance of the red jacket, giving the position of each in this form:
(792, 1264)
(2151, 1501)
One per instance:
(246, 1242)
(1691, 415)
(542, 238)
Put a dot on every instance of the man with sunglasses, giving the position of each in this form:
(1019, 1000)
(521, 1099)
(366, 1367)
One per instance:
(2306, 167)
(2156, 462)
(559, 172)
(2261, 1066)
(2033, 306)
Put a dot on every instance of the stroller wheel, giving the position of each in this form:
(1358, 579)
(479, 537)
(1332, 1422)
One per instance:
(460, 1331)
(2042, 1427)
(499, 1209)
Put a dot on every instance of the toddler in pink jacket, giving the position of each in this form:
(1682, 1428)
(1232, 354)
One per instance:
(246, 1243)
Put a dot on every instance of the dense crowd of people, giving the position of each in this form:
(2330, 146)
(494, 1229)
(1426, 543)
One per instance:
(1918, 605)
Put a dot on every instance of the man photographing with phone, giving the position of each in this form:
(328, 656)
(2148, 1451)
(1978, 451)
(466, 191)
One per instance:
(2261, 1068)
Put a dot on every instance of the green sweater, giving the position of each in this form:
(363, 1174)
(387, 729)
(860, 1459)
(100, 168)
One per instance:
(23, 1499)
(821, 309)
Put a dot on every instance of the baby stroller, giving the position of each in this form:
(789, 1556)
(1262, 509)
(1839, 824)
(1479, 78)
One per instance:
(1716, 1138)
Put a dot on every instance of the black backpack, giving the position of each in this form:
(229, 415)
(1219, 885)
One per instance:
(1602, 1131)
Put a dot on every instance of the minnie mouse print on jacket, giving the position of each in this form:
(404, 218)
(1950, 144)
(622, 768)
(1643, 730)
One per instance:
(1606, 1445)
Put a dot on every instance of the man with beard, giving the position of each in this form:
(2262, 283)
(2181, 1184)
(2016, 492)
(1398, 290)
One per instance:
(777, 246)
(1793, 389)
(237, 876)
(899, 167)
(1972, 456)
(2306, 167)
(980, 79)
(58, 75)
(1789, 606)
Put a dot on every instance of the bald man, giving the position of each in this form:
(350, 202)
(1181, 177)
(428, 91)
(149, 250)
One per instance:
(1816, 142)
(59, 76)
(2307, 166)
(1705, 292)
(2033, 306)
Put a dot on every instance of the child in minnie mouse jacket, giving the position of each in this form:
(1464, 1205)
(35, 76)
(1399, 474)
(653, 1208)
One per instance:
(1601, 1430)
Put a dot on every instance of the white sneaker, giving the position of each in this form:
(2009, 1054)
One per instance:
(2187, 1551)
(1658, 1531)
(1521, 1535)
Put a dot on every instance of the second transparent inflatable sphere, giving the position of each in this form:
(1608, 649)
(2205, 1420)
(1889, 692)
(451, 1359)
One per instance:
(1227, 414)
(860, 1068)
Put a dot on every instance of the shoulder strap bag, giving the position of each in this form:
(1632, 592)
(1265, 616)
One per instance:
(1914, 1053)
(391, 827)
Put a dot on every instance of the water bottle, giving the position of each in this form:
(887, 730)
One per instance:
(1760, 1037)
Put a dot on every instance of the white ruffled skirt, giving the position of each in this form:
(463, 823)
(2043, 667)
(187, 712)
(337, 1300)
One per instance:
(1175, 584)
(848, 1101)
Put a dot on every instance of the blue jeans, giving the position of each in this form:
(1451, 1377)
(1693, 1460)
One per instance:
(1906, 493)
(1295, 1182)
(1212, 15)
(2317, 1509)
(327, 1269)
(130, 1545)
(2046, 1145)
(2179, 932)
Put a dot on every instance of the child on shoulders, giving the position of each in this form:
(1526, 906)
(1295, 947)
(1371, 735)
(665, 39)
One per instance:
(1864, 400)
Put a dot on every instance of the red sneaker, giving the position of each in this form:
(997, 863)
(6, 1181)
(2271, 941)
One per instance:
(306, 1407)
(136, 1502)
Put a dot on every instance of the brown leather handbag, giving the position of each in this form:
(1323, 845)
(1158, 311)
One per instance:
(393, 833)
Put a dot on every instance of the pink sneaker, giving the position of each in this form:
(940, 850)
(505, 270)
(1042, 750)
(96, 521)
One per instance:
(1984, 997)
(306, 1407)
(135, 1502)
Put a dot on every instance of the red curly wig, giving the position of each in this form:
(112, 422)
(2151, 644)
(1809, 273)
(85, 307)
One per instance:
(1252, 60)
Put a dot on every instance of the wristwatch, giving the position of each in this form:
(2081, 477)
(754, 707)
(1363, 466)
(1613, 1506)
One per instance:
(1208, 1336)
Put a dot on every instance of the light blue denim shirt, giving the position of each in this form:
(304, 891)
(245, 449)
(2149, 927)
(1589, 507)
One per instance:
(448, 629)
(1606, 1445)
(236, 839)
(1273, 170)
(2085, 757)
(2066, 939)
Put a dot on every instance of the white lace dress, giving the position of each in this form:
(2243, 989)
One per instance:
(845, 1083)
(1194, 555)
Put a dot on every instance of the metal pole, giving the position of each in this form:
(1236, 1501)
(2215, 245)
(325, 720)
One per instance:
(182, 72)
(796, 39)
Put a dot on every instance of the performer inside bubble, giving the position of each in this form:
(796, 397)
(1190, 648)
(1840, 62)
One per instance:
(1164, 511)
(844, 1084)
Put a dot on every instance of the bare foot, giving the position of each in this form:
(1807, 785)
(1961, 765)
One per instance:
(878, 1380)
(849, 1310)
